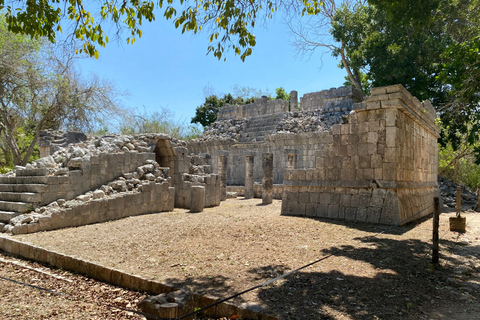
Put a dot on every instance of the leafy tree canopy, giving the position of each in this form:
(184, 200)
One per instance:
(230, 22)
(41, 89)
(206, 113)
(430, 47)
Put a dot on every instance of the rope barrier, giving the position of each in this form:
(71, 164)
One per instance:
(296, 270)
(443, 235)
(235, 295)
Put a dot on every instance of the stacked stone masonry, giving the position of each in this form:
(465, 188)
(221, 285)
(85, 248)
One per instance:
(380, 166)
(103, 179)
(332, 99)
(260, 107)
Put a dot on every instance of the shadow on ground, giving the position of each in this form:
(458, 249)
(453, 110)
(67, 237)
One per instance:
(406, 286)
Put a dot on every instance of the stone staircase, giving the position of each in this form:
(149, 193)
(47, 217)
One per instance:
(261, 126)
(22, 193)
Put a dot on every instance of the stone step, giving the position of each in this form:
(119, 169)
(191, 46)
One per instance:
(24, 180)
(268, 116)
(257, 133)
(33, 188)
(5, 216)
(265, 128)
(31, 172)
(265, 121)
(20, 196)
(21, 207)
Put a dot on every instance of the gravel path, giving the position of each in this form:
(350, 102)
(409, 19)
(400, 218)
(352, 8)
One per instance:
(241, 243)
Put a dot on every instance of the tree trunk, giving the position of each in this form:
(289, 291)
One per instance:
(356, 82)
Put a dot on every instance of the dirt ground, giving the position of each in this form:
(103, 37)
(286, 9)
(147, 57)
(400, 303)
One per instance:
(241, 243)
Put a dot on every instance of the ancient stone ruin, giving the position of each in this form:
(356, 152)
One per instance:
(103, 178)
(340, 156)
(336, 155)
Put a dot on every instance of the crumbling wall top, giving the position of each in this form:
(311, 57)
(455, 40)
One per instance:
(260, 107)
(396, 96)
(331, 99)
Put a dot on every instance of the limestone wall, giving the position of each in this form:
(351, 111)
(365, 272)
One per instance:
(260, 107)
(380, 167)
(194, 170)
(332, 99)
(90, 174)
(154, 197)
(302, 147)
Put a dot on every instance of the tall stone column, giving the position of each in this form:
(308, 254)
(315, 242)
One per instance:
(293, 100)
(222, 172)
(248, 177)
(267, 181)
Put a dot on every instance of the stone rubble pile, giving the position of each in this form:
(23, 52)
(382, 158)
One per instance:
(130, 183)
(311, 121)
(72, 156)
(448, 191)
(294, 122)
(224, 130)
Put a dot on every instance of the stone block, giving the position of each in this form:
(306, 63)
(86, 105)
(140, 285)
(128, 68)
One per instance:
(325, 197)
(390, 211)
(390, 117)
(333, 211)
(303, 197)
(378, 91)
(322, 210)
(365, 161)
(197, 203)
(390, 154)
(372, 104)
(373, 215)
(336, 129)
(378, 197)
(368, 174)
(314, 197)
(345, 199)
(344, 129)
(389, 171)
(361, 214)
(350, 213)
(372, 137)
(311, 209)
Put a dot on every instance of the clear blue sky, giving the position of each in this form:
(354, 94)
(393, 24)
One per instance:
(168, 69)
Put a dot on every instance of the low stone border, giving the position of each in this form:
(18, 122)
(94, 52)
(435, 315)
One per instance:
(122, 279)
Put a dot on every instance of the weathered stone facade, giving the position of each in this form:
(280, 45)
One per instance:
(261, 107)
(372, 161)
(379, 167)
(103, 178)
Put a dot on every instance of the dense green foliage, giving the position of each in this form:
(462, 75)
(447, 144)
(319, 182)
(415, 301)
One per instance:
(230, 23)
(282, 94)
(206, 113)
(430, 47)
(40, 89)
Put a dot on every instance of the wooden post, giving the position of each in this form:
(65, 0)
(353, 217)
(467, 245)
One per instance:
(477, 207)
(459, 200)
(436, 224)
